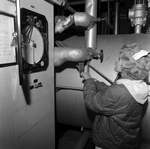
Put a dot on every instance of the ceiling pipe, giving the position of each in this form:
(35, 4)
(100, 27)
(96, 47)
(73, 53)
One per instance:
(78, 18)
(62, 3)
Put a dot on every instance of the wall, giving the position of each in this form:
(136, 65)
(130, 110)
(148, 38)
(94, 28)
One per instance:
(27, 116)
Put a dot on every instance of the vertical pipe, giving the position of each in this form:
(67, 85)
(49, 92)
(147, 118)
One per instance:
(116, 20)
(18, 19)
(91, 35)
(108, 15)
(148, 19)
(98, 16)
(137, 29)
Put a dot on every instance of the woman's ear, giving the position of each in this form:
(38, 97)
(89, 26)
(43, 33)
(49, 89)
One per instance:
(128, 64)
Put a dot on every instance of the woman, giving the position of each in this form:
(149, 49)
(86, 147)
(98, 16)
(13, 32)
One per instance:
(119, 107)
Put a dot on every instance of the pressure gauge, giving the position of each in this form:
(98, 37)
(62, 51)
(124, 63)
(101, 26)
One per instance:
(34, 41)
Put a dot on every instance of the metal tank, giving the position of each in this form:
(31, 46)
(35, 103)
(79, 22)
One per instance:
(70, 108)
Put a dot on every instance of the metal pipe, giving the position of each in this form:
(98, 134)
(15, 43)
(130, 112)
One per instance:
(67, 6)
(62, 3)
(108, 15)
(19, 42)
(79, 19)
(138, 15)
(137, 29)
(116, 22)
(91, 35)
(57, 2)
(148, 19)
(82, 141)
(59, 87)
(62, 55)
(106, 78)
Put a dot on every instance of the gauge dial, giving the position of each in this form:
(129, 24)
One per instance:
(34, 41)
(33, 46)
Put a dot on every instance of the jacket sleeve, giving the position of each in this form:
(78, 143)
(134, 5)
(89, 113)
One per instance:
(99, 97)
(100, 85)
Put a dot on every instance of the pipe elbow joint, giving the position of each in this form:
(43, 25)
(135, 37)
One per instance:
(85, 20)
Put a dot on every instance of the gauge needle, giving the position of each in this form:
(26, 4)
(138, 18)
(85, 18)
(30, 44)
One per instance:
(34, 46)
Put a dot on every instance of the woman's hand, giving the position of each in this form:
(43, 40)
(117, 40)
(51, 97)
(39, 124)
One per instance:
(86, 75)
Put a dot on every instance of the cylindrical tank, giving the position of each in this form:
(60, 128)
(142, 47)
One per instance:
(70, 108)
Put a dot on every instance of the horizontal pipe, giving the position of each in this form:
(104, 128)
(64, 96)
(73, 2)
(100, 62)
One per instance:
(82, 2)
(63, 54)
(106, 78)
(57, 2)
(58, 87)
(67, 6)
(62, 3)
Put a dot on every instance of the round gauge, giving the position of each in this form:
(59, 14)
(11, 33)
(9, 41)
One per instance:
(33, 45)
(34, 41)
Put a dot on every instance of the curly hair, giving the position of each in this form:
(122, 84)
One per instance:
(135, 69)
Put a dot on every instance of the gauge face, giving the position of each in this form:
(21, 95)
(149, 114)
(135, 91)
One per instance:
(34, 41)
(33, 47)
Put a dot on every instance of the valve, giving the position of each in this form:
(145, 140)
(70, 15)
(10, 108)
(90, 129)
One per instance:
(138, 16)
(100, 56)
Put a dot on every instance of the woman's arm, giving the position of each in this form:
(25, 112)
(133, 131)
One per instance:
(103, 101)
